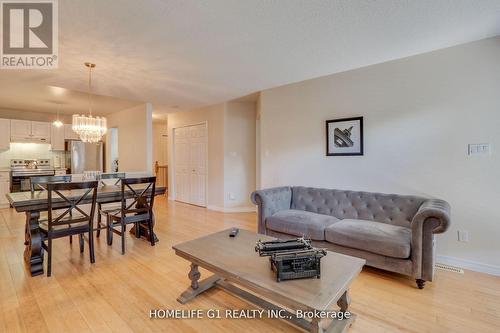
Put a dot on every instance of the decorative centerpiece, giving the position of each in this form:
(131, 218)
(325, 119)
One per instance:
(292, 259)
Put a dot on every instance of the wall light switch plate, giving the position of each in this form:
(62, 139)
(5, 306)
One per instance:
(463, 236)
(479, 149)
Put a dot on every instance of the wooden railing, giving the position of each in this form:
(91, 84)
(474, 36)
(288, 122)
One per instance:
(161, 172)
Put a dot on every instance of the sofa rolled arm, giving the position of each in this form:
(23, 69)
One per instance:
(269, 201)
(436, 209)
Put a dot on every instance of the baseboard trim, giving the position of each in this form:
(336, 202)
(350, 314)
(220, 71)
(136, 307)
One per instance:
(232, 209)
(469, 264)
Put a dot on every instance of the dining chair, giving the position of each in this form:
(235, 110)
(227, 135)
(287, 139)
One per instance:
(103, 209)
(71, 221)
(139, 210)
(111, 175)
(36, 183)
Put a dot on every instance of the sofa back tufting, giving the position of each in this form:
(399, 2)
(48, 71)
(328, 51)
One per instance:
(387, 208)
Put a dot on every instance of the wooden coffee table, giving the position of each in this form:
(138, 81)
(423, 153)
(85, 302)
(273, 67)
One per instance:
(235, 264)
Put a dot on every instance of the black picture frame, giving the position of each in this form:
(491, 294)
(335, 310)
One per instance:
(328, 135)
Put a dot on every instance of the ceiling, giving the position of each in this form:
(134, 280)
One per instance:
(185, 54)
(53, 99)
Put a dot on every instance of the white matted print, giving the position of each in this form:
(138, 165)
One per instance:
(344, 137)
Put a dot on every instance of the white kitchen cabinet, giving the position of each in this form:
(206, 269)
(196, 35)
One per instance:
(29, 131)
(40, 130)
(57, 138)
(4, 188)
(20, 129)
(69, 134)
(4, 134)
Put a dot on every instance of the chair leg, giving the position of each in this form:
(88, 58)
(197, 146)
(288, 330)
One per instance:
(151, 235)
(82, 246)
(420, 283)
(91, 245)
(49, 257)
(70, 236)
(109, 231)
(123, 238)
(137, 230)
(99, 220)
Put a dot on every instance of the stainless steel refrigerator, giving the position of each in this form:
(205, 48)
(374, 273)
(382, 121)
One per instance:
(82, 156)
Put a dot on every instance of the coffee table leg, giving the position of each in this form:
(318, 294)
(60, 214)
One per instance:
(197, 287)
(337, 325)
(344, 302)
(194, 275)
(316, 326)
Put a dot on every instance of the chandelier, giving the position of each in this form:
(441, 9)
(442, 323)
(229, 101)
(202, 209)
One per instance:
(89, 128)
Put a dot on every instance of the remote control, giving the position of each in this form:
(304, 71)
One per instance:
(234, 232)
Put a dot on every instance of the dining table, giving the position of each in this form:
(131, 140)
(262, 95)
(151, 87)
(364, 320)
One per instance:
(32, 204)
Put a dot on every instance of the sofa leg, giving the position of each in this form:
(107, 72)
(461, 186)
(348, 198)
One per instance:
(420, 283)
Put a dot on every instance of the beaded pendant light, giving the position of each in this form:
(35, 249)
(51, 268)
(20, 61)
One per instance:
(89, 128)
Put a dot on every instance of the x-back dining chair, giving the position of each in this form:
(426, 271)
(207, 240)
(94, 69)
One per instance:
(139, 210)
(36, 183)
(103, 209)
(66, 216)
(40, 183)
(111, 175)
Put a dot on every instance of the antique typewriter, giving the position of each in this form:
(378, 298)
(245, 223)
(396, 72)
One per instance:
(297, 265)
(268, 248)
(292, 259)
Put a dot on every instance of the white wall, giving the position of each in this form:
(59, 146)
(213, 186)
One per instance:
(160, 144)
(258, 145)
(239, 154)
(419, 115)
(112, 152)
(135, 138)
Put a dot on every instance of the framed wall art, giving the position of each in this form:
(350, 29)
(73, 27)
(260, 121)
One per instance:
(344, 137)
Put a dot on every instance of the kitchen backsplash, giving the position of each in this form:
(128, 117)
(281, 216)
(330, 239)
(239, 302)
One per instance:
(29, 151)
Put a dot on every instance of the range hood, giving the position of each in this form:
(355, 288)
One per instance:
(28, 139)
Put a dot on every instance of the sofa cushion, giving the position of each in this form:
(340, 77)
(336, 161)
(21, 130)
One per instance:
(300, 223)
(380, 238)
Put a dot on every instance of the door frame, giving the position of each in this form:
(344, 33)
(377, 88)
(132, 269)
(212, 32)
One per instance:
(206, 162)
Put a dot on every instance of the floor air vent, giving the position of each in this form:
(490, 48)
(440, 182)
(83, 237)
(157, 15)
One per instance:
(449, 268)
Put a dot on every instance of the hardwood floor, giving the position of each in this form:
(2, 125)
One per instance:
(117, 292)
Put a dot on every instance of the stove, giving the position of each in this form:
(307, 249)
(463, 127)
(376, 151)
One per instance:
(23, 170)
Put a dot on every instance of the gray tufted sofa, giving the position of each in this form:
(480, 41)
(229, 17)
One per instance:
(392, 232)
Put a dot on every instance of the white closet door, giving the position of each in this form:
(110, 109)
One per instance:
(198, 155)
(182, 167)
(190, 164)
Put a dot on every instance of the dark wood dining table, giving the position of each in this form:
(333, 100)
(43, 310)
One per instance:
(32, 204)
